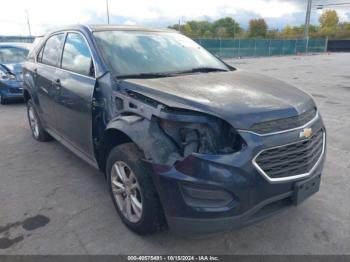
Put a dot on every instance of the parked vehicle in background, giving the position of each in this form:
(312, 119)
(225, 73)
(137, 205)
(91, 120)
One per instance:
(181, 136)
(12, 56)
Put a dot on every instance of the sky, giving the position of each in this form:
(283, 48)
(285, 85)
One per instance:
(48, 14)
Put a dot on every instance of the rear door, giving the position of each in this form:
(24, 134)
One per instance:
(77, 83)
(45, 71)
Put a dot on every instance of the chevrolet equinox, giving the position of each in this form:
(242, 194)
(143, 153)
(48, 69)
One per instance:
(183, 138)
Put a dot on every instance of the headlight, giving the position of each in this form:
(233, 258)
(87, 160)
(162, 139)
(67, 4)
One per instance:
(202, 134)
(6, 76)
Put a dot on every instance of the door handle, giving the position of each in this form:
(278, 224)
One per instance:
(58, 83)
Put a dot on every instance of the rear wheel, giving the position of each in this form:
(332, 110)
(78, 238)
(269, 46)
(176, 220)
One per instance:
(38, 132)
(132, 190)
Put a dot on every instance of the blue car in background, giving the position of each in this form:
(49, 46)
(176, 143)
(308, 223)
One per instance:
(12, 55)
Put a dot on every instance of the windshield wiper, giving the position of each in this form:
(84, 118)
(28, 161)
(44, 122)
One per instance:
(169, 74)
(203, 70)
(145, 75)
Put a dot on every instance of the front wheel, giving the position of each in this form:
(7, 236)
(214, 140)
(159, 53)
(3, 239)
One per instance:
(38, 132)
(132, 190)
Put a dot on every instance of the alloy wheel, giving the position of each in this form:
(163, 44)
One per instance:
(33, 121)
(126, 191)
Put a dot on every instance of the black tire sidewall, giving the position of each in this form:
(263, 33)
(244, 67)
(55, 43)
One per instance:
(151, 212)
(42, 136)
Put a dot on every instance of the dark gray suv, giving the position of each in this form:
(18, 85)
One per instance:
(182, 137)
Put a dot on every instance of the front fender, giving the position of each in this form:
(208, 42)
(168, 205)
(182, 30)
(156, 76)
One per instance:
(149, 137)
(29, 84)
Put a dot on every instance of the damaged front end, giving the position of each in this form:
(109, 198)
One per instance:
(194, 132)
(184, 148)
(169, 135)
(202, 165)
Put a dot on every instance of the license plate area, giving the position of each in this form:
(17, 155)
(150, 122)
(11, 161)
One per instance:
(305, 189)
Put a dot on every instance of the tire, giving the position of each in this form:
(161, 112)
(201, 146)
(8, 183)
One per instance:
(38, 132)
(2, 100)
(128, 157)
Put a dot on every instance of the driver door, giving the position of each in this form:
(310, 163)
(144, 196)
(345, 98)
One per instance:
(76, 83)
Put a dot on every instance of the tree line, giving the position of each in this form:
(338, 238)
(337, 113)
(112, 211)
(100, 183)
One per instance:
(329, 26)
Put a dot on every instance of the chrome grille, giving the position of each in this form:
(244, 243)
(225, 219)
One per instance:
(284, 123)
(291, 160)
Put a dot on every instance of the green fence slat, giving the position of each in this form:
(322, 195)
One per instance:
(230, 48)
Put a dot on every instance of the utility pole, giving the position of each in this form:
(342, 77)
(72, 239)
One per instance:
(28, 23)
(107, 11)
(307, 19)
(179, 25)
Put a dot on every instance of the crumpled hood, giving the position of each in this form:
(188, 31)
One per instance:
(15, 69)
(239, 97)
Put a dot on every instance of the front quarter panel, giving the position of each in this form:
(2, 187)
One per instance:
(28, 77)
(148, 137)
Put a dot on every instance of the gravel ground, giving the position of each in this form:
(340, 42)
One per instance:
(54, 203)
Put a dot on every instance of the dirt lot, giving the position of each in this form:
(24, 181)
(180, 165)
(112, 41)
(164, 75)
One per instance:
(51, 202)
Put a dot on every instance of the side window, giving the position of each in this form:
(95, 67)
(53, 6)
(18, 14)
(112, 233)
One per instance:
(76, 55)
(52, 50)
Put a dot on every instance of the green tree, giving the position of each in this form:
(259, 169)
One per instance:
(198, 28)
(273, 34)
(174, 27)
(329, 21)
(288, 32)
(292, 32)
(187, 30)
(343, 31)
(329, 18)
(257, 28)
(207, 34)
(222, 32)
(314, 31)
(226, 27)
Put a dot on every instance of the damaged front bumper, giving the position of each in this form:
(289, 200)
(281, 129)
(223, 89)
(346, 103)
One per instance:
(206, 194)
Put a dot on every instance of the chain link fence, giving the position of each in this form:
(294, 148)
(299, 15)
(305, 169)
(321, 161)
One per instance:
(232, 48)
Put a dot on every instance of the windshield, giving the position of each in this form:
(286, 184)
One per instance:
(135, 52)
(12, 55)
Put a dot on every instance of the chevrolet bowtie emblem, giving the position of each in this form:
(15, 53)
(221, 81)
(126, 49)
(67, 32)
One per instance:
(306, 133)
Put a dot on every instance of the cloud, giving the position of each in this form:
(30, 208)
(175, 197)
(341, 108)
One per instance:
(48, 14)
(130, 22)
